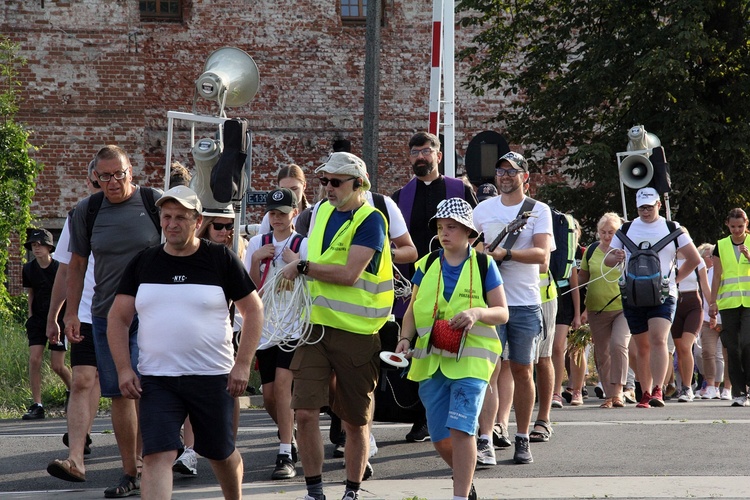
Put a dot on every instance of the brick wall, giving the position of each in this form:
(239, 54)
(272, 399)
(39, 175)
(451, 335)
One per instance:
(97, 75)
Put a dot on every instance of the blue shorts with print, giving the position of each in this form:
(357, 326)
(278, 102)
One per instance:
(451, 404)
(521, 333)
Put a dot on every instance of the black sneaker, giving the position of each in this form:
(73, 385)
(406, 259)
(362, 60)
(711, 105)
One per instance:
(473, 493)
(500, 436)
(284, 467)
(35, 412)
(368, 471)
(86, 447)
(522, 454)
(336, 435)
(584, 392)
(418, 433)
(338, 451)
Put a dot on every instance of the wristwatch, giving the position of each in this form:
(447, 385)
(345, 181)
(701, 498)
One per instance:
(303, 266)
(508, 255)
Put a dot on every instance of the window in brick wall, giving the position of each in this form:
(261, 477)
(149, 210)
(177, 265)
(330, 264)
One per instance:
(354, 12)
(161, 10)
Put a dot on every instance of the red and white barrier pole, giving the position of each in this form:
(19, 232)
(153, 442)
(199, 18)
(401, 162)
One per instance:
(436, 62)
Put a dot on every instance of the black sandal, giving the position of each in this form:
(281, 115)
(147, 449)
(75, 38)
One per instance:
(536, 436)
(128, 486)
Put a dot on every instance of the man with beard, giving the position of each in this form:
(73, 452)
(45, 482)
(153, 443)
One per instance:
(520, 268)
(425, 190)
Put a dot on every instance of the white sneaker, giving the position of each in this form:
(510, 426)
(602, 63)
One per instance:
(726, 394)
(711, 393)
(373, 446)
(187, 463)
(740, 401)
(686, 395)
(485, 452)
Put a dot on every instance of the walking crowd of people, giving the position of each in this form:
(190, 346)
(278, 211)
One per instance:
(162, 302)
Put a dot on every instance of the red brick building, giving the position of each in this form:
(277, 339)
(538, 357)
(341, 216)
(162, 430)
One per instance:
(100, 72)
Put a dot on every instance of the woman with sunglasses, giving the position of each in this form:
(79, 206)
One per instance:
(218, 227)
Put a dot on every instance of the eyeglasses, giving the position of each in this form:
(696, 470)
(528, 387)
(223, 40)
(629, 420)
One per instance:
(334, 182)
(646, 208)
(218, 226)
(510, 173)
(119, 175)
(423, 152)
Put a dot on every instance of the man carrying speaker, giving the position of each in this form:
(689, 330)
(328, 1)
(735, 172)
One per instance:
(113, 226)
(650, 324)
(352, 294)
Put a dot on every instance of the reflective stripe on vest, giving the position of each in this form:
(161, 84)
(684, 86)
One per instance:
(482, 347)
(360, 308)
(734, 287)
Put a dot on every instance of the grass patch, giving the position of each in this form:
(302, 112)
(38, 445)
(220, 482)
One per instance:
(15, 394)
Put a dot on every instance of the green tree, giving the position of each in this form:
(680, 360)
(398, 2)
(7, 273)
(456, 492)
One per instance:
(18, 171)
(580, 73)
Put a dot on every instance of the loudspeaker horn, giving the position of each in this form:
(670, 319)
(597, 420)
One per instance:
(229, 72)
(636, 171)
(206, 153)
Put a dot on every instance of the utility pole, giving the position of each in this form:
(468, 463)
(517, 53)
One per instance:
(371, 125)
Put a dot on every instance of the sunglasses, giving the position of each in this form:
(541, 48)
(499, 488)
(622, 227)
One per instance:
(324, 181)
(218, 226)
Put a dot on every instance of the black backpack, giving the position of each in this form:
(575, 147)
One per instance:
(644, 284)
(148, 196)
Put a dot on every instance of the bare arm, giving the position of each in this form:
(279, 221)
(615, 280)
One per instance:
(348, 274)
(705, 287)
(692, 259)
(576, 294)
(713, 309)
(405, 252)
(74, 290)
(251, 309)
(408, 327)
(118, 328)
(56, 303)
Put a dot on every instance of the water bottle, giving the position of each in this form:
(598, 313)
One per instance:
(664, 288)
(622, 282)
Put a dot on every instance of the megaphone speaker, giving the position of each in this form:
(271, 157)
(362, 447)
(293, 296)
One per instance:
(206, 153)
(229, 71)
(636, 171)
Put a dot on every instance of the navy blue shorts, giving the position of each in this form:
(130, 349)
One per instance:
(637, 317)
(166, 401)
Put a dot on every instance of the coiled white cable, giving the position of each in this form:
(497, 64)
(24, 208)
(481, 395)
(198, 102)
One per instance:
(401, 285)
(619, 267)
(287, 306)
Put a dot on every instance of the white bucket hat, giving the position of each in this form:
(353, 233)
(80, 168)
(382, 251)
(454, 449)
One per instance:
(457, 209)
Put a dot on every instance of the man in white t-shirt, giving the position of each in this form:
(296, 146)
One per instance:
(519, 267)
(84, 392)
(650, 325)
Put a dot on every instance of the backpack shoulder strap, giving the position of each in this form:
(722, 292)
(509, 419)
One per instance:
(526, 206)
(590, 250)
(95, 203)
(147, 195)
(266, 239)
(483, 263)
(622, 235)
(430, 259)
(379, 201)
(672, 236)
(296, 243)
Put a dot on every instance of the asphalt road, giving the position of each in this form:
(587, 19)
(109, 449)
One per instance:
(685, 450)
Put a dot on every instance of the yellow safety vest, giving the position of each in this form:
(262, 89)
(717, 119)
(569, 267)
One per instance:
(482, 348)
(734, 288)
(547, 287)
(363, 307)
